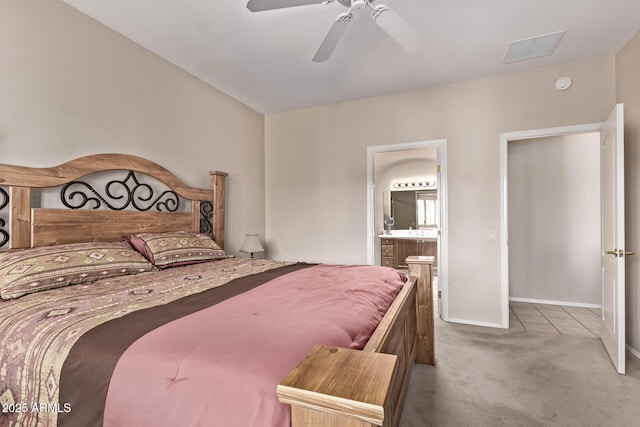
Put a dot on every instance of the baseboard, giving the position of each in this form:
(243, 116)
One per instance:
(475, 323)
(544, 301)
(633, 351)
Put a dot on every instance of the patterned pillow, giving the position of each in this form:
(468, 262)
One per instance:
(26, 271)
(176, 248)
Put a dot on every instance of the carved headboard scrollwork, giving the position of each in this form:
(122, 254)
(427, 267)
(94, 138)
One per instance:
(4, 202)
(206, 213)
(140, 196)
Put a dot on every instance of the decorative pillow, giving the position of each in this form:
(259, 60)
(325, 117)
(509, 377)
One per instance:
(26, 271)
(176, 248)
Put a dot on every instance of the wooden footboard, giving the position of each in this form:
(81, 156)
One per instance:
(340, 387)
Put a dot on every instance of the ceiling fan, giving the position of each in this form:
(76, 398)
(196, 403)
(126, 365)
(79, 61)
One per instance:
(394, 25)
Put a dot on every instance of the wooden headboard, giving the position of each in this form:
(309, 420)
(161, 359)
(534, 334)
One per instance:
(34, 226)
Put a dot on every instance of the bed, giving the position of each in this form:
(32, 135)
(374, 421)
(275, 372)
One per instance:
(164, 328)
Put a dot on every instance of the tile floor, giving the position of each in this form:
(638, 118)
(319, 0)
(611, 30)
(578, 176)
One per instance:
(554, 319)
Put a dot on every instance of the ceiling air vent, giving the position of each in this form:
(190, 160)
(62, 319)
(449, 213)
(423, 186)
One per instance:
(533, 47)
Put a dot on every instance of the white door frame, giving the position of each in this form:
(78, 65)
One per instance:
(504, 196)
(443, 248)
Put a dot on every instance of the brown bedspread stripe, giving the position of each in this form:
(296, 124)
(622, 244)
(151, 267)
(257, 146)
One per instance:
(97, 352)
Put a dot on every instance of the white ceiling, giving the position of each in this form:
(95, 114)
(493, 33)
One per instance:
(264, 59)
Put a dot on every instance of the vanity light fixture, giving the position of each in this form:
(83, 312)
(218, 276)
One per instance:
(420, 184)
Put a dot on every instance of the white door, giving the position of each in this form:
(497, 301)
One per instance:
(613, 246)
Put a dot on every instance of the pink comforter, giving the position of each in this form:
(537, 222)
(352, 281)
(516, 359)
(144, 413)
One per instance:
(220, 366)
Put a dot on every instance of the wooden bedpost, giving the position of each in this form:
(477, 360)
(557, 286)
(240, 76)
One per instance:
(420, 267)
(340, 387)
(20, 218)
(218, 183)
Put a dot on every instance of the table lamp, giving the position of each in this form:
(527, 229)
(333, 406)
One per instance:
(251, 244)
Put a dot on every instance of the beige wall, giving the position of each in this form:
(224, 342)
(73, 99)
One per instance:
(554, 219)
(316, 166)
(628, 92)
(70, 86)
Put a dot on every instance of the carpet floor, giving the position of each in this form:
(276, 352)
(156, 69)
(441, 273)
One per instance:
(505, 377)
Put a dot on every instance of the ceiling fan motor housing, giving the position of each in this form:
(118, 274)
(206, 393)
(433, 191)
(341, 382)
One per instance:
(354, 5)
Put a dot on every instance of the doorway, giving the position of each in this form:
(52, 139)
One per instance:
(554, 238)
(505, 139)
(613, 252)
(554, 220)
(375, 221)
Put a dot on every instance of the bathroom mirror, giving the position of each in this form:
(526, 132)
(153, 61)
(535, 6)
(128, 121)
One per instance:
(413, 209)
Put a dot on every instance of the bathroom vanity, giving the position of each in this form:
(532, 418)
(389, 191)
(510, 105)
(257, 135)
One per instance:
(400, 244)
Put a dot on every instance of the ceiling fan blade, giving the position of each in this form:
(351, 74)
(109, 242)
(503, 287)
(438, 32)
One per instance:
(260, 5)
(399, 29)
(332, 37)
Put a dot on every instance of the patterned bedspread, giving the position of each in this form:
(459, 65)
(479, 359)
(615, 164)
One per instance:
(38, 331)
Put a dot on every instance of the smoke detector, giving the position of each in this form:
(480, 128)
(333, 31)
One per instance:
(563, 83)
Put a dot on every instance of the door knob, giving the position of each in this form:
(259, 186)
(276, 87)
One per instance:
(629, 253)
(613, 252)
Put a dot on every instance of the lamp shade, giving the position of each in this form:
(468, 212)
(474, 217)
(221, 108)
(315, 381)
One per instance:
(251, 244)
